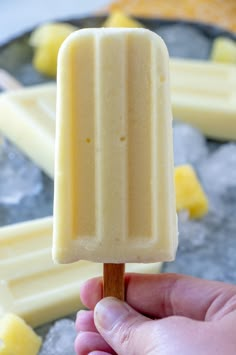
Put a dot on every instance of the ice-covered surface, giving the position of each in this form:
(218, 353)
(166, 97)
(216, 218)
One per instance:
(30, 207)
(207, 246)
(60, 339)
(218, 175)
(189, 144)
(19, 177)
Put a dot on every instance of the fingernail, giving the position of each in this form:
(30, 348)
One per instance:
(109, 311)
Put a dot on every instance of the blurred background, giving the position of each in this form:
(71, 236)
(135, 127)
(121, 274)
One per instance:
(203, 93)
(18, 15)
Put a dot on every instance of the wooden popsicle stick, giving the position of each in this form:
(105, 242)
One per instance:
(8, 82)
(113, 281)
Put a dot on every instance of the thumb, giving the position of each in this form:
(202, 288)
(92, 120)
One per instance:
(124, 329)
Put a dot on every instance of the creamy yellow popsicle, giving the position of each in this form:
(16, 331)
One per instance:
(204, 94)
(27, 118)
(114, 184)
(199, 96)
(31, 285)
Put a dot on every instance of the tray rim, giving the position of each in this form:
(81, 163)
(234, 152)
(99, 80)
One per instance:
(209, 30)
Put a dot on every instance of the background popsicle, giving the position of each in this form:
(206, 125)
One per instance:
(31, 285)
(204, 94)
(27, 118)
(193, 99)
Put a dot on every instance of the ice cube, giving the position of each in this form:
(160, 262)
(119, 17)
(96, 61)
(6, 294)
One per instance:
(207, 246)
(206, 249)
(60, 339)
(218, 175)
(189, 144)
(19, 177)
(31, 207)
(176, 36)
(192, 233)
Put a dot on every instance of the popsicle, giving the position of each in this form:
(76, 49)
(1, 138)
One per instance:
(114, 196)
(31, 285)
(203, 94)
(27, 118)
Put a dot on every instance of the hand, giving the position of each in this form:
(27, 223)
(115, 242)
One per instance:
(165, 314)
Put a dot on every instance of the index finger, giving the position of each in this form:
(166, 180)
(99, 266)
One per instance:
(163, 295)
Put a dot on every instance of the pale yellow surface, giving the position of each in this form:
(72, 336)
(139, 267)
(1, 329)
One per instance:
(189, 192)
(204, 95)
(114, 185)
(47, 40)
(31, 285)
(4, 351)
(27, 118)
(17, 337)
(197, 98)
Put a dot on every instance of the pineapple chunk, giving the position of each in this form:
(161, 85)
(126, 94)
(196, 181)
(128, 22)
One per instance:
(17, 338)
(189, 193)
(47, 40)
(224, 50)
(3, 350)
(45, 60)
(48, 32)
(119, 19)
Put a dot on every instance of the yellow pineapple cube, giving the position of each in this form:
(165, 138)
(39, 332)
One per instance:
(119, 19)
(45, 60)
(16, 337)
(3, 350)
(224, 50)
(47, 40)
(189, 193)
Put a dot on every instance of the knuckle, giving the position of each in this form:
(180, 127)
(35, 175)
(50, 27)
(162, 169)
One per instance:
(135, 338)
(126, 335)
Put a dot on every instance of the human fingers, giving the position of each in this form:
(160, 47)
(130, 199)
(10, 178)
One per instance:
(163, 295)
(120, 326)
(85, 322)
(87, 342)
(129, 332)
